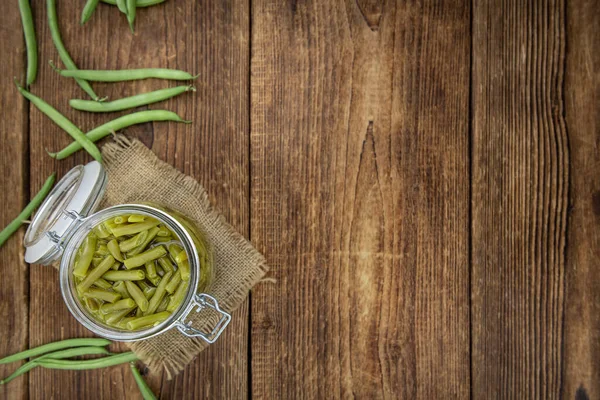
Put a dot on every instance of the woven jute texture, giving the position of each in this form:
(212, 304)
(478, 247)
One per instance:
(135, 175)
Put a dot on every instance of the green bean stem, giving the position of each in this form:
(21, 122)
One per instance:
(144, 389)
(30, 41)
(118, 124)
(88, 10)
(62, 51)
(89, 364)
(68, 353)
(121, 75)
(130, 102)
(139, 3)
(50, 347)
(33, 204)
(63, 122)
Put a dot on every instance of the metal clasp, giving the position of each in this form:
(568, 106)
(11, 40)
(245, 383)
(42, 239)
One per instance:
(54, 237)
(201, 301)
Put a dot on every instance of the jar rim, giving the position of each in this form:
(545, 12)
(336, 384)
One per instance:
(67, 282)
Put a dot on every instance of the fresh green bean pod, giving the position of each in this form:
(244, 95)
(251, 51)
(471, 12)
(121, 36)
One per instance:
(62, 51)
(114, 249)
(122, 6)
(30, 41)
(143, 258)
(28, 210)
(139, 3)
(89, 364)
(133, 275)
(119, 124)
(85, 259)
(57, 355)
(121, 75)
(137, 295)
(144, 389)
(130, 102)
(88, 10)
(54, 346)
(158, 295)
(148, 320)
(131, 9)
(63, 122)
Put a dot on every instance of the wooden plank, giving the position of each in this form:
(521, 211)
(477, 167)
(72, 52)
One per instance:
(519, 199)
(210, 39)
(581, 367)
(360, 199)
(14, 181)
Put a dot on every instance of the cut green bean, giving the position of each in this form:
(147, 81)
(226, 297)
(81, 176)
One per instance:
(26, 213)
(163, 304)
(163, 231)
(47, 348)
(139, 3)
(155, 280)
(117, 125)
(101, 231)
(57, 355)
(121, 75)
(166, 264)
(134, 275)
(138, 312)
(132, 243)
(88, 10)
(149, 292)
(115, 266)
(30, 41)
(184, 270)
(144, 389)
(151, 235)
(88, 364)
(158, 295)
(137, 295)
(129, 102)
(136, 218)
(142, 284)
(115, 250)
(117, 306)
(143, 258)
(91, 304)
(63, 122)
(62, 51)
(120, 219)
(174, 282)
(101, 250)
(131, 229)
(177, 297)
(148, 320)
(85, 259)
(120, 288)
(102, 284)
(116, 316)
(123, 322)
(151, 269)
(102, 294)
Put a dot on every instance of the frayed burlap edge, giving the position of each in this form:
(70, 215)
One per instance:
(119, 153)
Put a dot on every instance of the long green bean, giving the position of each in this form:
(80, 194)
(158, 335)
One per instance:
(89, 364)
(47, 348)
(130, 102)
(139, 3)
(33, 204)
(30, 41)
(122, 6)
(58, 355)
(88, 10)
(118, 124)
(144, 389)
(131, 5)
(63, 122)
(120, 75)
(62, 51)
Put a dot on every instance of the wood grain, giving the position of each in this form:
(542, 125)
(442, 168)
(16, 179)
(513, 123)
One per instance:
(210, 39)
(581, 367)
(519, 199)
(360, 177)
(14, 195)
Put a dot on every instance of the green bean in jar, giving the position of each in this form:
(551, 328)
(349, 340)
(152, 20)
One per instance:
(124, 252)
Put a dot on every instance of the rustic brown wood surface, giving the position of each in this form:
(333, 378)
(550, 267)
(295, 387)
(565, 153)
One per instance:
(422, 178)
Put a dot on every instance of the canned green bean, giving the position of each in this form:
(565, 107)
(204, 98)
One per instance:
(127, 272)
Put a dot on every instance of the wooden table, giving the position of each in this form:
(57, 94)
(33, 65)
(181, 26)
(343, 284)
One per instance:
(422, 178)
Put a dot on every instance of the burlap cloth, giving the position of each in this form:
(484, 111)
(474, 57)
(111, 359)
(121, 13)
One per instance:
(135, 174)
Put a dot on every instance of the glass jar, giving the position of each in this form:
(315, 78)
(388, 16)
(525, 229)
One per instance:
(68, 215)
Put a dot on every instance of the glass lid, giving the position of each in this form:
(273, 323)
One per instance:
(74, 197)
